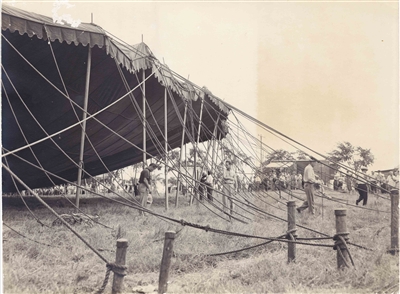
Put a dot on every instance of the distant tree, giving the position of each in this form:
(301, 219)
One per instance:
(200, 157)
(344, 153)
(278, 155)
(365, 157)
(173, 159)
(301, 155)
(353, 156)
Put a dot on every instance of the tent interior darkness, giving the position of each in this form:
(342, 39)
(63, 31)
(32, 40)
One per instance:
(36, 53)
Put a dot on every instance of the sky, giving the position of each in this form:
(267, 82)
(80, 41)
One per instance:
(319, 72)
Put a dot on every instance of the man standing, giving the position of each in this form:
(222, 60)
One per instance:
(202, 185)
(145, 185)
(393, 182)
(210, 186)
(349, 180)
(379, 178)
(229, 178)
(362, 186)
(373, 180)
(309, 181)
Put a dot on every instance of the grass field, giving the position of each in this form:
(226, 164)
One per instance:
(42, 258)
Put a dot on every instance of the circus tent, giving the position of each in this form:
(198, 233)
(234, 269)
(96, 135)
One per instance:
(45, 79)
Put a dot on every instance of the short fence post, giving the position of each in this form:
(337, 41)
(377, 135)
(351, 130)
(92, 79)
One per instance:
(342, 254)
(166, 261)
(394, 226)
(120, 259)
(291, 235)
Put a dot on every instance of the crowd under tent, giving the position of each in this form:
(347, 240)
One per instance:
(280, 165)
(52, 72)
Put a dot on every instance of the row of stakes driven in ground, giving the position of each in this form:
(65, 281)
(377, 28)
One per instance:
(340, 245)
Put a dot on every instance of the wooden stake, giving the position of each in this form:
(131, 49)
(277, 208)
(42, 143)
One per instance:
(166, 261)
(291, 205)
(394, 227)
(342, 254)
(120, 259)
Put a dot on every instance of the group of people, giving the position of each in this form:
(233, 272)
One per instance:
(205, 187)
(310, 182)
(278, 179)
(361, 181)
(366, 183)
(378, 182)
(230, 185)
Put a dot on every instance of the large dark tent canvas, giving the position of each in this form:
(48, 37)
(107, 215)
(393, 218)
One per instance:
(44, 76)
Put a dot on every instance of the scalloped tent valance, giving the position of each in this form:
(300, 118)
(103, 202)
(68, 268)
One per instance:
(132, 57)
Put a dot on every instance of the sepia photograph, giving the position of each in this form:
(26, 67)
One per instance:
(199, 147)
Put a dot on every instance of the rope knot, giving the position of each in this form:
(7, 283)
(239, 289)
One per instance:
(118, 269)
(206, 228)
(291, 234)
(183, 222)
(340, 239)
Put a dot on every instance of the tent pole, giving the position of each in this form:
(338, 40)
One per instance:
(144, 118)
(85, 105)
(196, 146)
(166, 146)
(323, 196)
(178, 185)
(214, 140)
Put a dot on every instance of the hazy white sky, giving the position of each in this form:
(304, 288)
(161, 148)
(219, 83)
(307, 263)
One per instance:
(321, 73)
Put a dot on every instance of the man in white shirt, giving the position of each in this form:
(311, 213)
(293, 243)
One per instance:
(393, 182)
(229, 183)
(309, 181)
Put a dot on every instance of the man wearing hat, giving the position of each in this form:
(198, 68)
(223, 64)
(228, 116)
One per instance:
(309, 181)
(362, 187)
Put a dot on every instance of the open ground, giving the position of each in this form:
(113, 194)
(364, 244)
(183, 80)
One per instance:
(39, 257)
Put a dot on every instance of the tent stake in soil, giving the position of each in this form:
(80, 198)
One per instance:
(166, 261)
(394, 227)
(291, 235)
(341, 234)
(120, 259)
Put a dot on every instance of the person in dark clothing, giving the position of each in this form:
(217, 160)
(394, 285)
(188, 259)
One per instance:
(362, 186)
(210, 186)
(202, 186)
(145, 184)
